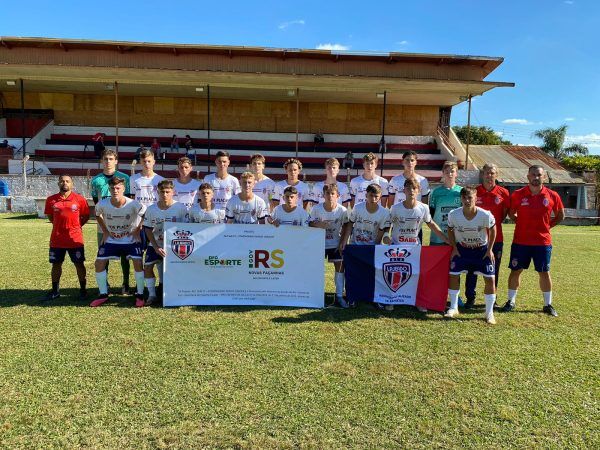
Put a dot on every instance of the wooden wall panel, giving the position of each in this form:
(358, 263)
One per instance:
(103, 103)
(164, 105)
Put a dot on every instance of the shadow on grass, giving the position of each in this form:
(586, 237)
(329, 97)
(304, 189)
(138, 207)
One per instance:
(69, 297)
(23, 217)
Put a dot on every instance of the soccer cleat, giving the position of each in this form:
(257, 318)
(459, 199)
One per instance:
(508, 307)
(151, 299)
(451, 313)
(379, 305)
(124, 290)
(139, 301)
(389, 307)
(51, 295)
(421, 309)
(102, 298)
(83, 294)
(490, 319)
(343, 303)
(549, 309)
(461, 303)
(470, 303)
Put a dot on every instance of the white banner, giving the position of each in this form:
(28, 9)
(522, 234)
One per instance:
(397, 274)
(243, 265)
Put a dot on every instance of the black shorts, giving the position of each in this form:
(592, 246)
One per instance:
(57, 255)
(333, 254)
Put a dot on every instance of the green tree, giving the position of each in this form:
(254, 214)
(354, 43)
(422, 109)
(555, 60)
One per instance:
(554, 143)
(579, 163)
(479, 136)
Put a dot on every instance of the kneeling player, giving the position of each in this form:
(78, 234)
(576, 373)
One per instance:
(246, 207)
(472, 232)
(205, 211)
(165, 210)
(120, 219)
(331, 216)
(288, 213)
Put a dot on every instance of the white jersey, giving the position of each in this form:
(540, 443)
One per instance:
(224, 189)
(406, 222)
(155, 218)
(471, 233)
(367, 225)
(297, 217)
(264, 189)
(199, 215)
(318, 196)
(359, 185)
(242, 211)
(186, 193)
(120, 221)
(301, 186)
(396, 187)
(335, 220)
(144, 189)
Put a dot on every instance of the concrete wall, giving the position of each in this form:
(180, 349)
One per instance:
(43, 186)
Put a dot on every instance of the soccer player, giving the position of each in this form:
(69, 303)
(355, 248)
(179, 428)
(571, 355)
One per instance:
(68, 212)
(531, 208)
(225, 186)
(331, 216)
(165, 210)
(264, 187)
(292, 167)
(495, 199)
(144, 184)
(332, 168)
(444, 199)
(205, 211)
(472, 232)
(396, 186)
(288, 213)
(186, 188)
(100, 190)
(368, 222)
(246, 207)
(359, 185)
(120, 219)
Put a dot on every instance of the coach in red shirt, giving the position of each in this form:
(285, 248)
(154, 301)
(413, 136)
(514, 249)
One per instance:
(495, 199)
(68, 212)
(531, 208)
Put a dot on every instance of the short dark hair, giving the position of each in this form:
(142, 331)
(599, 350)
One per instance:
(290, 190)
(221, 153)
(165, 184)
(412, 182)
(373, 189)
(409, 153)
(468, 190)
(145, 153)
(206, 186)
(332, 187)
(534, 167)
(116, 180)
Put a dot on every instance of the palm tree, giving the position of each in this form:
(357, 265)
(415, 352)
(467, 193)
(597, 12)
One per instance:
(554, 143)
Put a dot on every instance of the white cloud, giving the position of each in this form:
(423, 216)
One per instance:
(569, 119)
(499, 133)
(402, 43)
(517, 122)
(569, 2)
(284, 25)
(330, 46)
(590, 140)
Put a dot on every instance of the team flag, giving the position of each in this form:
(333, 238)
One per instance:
(398, 274)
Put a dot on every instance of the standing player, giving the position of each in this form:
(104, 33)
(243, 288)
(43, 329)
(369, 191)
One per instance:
(165, 210)
(332, 168)
(444, 199)
(288, 213)
(495, 199)
(292, 167)
(531, 208)
(186, 188)
(120, 219)
(144, 184)
(472, 231)
(225, 186)
(264, 187)
(205, 211)
(331, 216)
(68, 212)
(359, 185)
(101, 190)
(246, 207)
(396, 187)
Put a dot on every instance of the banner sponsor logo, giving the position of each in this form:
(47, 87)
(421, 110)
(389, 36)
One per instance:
(182, 246)
(267, 259)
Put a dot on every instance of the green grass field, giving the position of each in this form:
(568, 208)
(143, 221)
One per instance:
(119, 377)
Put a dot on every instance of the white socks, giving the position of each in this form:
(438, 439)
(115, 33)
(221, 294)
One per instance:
(339, 284)
(151, 285)
(102, 281)
(490, 299)
(512, 296)
(139, 282)
(453, 298)
(547, 298)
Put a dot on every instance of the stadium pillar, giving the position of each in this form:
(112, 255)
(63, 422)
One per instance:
(468, 133)
(382, 142)
(117, 117)
(208, 125)
(23, 137)
(297, 117)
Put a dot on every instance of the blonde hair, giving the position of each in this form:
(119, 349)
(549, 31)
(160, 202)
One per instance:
(370, 157)
(245, 175)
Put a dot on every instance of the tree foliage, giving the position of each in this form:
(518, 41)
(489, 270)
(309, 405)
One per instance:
(554, 143)
(480, 136)
(579, 163)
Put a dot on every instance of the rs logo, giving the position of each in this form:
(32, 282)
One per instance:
(266, 259)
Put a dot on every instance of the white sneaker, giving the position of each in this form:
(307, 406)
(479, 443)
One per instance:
(421, 309)
(451, 313)
(343, 303)
(389, 307)
(491, 319)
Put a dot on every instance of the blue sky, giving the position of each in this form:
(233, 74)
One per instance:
(551, 47)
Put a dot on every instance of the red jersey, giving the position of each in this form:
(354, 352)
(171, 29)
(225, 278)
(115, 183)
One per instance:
(494, 201)
(66, 216)
(533, 215)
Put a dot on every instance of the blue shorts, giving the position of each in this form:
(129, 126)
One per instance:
(333, 254)
(151, 257)
(116, 251)
(521, 256)
(57, 255)
(472, 260)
